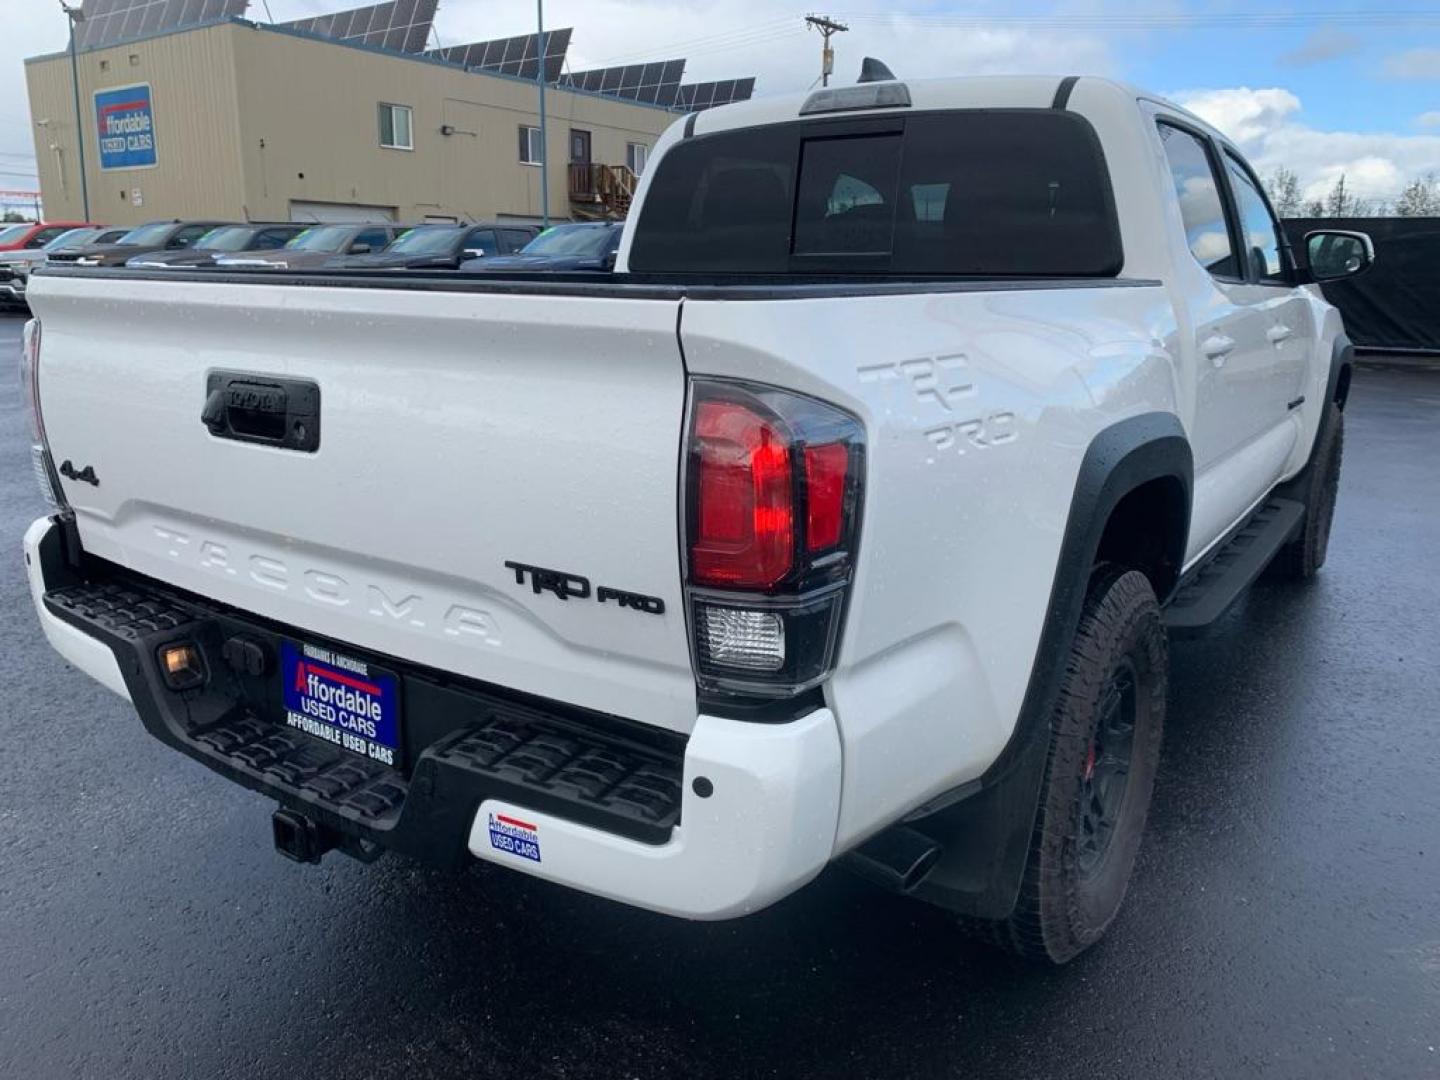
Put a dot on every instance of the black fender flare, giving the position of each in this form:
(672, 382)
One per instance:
(984, 829)
(1342, 365)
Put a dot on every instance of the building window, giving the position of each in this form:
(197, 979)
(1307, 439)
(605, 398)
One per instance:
(395, 127)
(635, 155)
(532, 150)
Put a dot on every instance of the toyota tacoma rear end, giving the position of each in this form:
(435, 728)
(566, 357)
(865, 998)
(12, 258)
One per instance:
(844, 522)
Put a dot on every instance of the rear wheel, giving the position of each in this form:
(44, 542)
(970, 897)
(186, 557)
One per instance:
(1303, 556)
(1104, 753)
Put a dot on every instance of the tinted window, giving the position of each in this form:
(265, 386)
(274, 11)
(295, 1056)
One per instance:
(1201, 208)
(321, 238)
(272, 238)
(233, 238)
(1009, 193)
(44, 236)
(483, 240)
(146, 235)
(187, 236)
(721, 203)
(375, 238)
(1258, 227)
(72, 238)
(436, 240)
(517, 238)
(572, 240)
(847, 195)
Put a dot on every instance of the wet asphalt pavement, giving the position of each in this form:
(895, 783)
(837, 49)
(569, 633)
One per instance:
(1284, 920)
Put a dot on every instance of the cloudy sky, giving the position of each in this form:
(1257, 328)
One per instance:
(1342, 87)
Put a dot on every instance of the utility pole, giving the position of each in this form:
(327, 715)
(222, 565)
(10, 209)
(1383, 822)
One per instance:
(75, 15)
(827, 26)
(544, 138)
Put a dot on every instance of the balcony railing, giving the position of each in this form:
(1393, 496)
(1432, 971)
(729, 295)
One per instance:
(610, 187)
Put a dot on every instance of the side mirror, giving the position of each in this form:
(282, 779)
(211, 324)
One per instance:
(474, 253)
(1335, 254)
(609, 261)
(360, 249)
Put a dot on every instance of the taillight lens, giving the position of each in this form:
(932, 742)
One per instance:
(30, 379)
(44, 468)
(826, 468)
(745, 519)
(774, 483)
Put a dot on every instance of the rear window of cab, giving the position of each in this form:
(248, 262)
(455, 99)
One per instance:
(986, 193)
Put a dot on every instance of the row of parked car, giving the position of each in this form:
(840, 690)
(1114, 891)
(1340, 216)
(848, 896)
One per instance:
(574, 247)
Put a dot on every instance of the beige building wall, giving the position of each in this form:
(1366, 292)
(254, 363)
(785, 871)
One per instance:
(197, 131)
(249, 120)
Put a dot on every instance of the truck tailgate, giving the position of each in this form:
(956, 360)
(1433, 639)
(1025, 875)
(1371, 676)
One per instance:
(459, 431)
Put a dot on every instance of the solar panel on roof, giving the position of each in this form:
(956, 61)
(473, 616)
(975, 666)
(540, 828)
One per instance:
(657, 83)
(400, 25)
(511, 56)
(106, 22)
(696, 96)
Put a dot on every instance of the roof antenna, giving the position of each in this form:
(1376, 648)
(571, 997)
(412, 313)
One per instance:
(872, 70)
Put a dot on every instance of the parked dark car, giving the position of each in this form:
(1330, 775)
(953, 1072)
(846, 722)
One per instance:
(318, 245)
(444, 247)
(588, 245)
(155, 236)
(225, 240)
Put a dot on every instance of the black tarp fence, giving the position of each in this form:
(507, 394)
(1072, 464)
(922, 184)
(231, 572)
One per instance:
(1394, 306)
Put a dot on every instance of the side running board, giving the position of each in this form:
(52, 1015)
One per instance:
(1210, 591)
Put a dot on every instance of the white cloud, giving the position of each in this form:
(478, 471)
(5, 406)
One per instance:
(1428, 119)
(1323, 43)
(752, 37)
(1240, 112)
(1266, 124)
(1419, 64)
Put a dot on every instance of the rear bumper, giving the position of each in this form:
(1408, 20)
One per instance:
(712, 826)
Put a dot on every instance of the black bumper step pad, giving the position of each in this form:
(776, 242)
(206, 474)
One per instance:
(126, 612)
(529, 752)
(591, 771)
(287, 757)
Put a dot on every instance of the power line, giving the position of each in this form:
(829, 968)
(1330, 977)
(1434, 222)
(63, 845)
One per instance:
(1260, 20)
(727, 39)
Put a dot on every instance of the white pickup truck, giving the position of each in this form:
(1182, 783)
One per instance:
(848, 520)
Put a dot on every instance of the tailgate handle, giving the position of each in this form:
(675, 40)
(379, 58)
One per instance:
(249, 407)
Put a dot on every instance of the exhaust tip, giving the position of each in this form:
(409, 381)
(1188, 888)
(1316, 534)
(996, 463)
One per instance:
(897, 859)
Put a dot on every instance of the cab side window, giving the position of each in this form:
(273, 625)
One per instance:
(1202, 209)
(1259, 230)
(187, 236)
(482, 240)
(374, 239)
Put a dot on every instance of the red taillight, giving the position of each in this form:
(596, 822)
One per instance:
(745, 516)
(825, 468)
(774, 485)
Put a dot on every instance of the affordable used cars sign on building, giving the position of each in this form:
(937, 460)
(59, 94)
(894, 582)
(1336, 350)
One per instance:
(126, 124)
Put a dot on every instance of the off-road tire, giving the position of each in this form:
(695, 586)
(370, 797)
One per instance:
(1302, 557)
(1063, 910)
